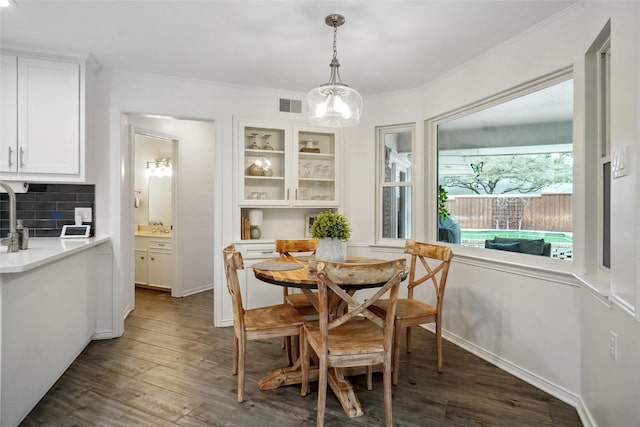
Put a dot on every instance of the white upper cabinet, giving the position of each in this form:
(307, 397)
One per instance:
(316, 167)
(42, 120)
(283, 165)
(9, 119)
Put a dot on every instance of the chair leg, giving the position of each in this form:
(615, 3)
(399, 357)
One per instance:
(439, 346)
(242, 351)
(287, 347)
(396, 354)
(369, 378)
(322, 389)
(234, 369)
(409, 338)
(387, 392)
(304, 366)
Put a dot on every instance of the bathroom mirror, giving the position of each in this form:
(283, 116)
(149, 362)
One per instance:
(160, 199)
(153, 180)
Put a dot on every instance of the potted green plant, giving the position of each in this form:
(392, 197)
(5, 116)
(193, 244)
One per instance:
(448, 226)
(332, 229)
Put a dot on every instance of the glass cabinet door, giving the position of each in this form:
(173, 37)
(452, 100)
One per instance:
(264, 158)
(315, 167)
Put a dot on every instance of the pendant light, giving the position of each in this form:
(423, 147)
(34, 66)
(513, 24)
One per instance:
(334, 104)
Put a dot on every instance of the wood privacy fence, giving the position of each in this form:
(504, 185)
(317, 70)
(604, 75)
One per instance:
(541, 212)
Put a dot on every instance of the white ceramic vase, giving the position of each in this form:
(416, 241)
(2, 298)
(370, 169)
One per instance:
(331, 249)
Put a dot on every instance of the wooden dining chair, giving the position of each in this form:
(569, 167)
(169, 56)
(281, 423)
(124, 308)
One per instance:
(411, 312)
(288, 249)
(348, 334)
(257, 323)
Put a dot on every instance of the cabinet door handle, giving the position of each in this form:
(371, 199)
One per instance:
(287, 194)
(296, 194)
(141, 257)
(153, 259)
(160, 244)
(10, 156)
(21, 158)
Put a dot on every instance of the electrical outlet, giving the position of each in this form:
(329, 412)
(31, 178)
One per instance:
(613, 345)
(85, 213)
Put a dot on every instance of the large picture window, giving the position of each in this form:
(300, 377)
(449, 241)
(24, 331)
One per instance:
(395, 183)
(505, 172)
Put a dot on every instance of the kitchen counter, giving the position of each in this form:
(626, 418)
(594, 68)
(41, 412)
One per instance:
(55, 297)
(44, 250)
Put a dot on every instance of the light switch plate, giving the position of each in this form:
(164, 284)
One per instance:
(620, 162)
(85, 213)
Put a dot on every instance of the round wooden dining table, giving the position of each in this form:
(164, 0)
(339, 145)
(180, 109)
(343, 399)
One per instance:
(300, 273)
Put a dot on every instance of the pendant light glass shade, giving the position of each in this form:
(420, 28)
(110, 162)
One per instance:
(334, 104)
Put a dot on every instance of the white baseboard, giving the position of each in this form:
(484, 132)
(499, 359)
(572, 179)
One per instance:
(198, 290)
(103, 335)
(535, 380)
(585, 415)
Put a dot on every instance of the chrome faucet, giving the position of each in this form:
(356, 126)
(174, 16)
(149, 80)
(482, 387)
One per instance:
(12, 241)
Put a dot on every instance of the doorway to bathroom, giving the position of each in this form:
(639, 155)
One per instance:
(192, 200)
(154, 210)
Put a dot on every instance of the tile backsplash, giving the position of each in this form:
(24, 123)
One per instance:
(45, 208)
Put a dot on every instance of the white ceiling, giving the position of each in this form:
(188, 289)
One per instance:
(384, 46)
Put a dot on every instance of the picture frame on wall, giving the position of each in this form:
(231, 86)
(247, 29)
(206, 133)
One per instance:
(308, 223)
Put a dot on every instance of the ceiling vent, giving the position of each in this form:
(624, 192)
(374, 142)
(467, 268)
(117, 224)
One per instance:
(290, 106)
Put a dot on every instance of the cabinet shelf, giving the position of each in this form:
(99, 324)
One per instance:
(259, 177)
(316, 156)
(317, 179)
(256, 152)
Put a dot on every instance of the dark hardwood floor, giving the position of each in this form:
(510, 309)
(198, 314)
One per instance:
(173, 368)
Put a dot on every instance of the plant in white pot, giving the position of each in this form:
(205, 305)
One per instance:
(332, 229)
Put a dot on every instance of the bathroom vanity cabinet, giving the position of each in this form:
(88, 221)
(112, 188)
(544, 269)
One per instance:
(154, 262)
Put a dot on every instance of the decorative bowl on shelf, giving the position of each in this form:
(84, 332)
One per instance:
(310, 146)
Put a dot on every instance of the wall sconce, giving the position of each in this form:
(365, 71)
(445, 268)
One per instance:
(159, 167)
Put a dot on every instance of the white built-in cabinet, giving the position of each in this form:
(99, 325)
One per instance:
(42, 135)
(303, 178)
(256, 293)
(287, 165)
(154, 262)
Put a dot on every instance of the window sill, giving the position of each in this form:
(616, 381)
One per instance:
(597, 286)
(388, 247)
(549, 269)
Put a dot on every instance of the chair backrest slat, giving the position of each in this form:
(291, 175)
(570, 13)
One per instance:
(437, 273)
(288, 247)
(232, 263)
(337, 276)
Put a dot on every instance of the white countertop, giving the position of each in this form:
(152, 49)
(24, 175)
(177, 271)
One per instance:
(43, 250)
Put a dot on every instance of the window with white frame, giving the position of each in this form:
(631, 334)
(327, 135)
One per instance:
(604, 144)
(394, 147)
(505, 171)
